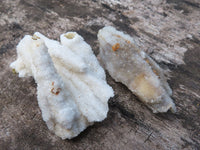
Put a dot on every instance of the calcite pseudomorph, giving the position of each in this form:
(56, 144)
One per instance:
(72, 91)
(134, 68)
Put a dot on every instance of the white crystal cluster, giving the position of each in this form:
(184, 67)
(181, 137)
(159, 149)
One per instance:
(134, 68)
(72, 91)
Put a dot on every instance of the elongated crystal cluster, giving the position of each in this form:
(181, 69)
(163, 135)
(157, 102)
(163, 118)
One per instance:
(134, 68)
(72, 91)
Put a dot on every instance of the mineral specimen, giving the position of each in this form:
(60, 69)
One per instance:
(134, 68)
(72, 91)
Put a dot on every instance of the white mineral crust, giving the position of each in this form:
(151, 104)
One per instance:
(134, 68)
(72, 91)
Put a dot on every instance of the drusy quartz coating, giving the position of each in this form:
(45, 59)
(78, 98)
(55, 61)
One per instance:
(72, 91)
(126, 63)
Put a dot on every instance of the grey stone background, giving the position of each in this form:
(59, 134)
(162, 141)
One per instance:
(168, 30)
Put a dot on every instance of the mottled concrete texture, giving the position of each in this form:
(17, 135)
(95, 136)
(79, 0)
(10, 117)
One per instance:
(168, 30)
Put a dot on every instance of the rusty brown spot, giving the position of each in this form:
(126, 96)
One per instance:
(55, 92)
(118, 36)
(128, 41)
(147, 61)
(35, 37)
(115, 47)
(155, 72)
(53, 83)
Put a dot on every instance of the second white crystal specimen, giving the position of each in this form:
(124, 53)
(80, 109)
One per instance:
(134, 68)
(71, 87)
